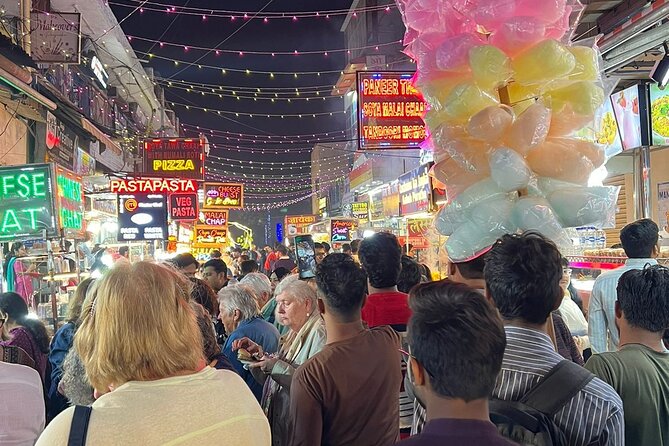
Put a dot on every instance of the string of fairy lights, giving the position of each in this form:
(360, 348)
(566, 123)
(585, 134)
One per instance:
(232, 15)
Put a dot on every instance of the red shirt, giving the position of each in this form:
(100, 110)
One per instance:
(387, 309)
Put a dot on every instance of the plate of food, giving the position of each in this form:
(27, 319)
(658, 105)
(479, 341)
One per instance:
(246, 358)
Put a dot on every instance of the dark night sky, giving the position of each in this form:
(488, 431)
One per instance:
(305, 34)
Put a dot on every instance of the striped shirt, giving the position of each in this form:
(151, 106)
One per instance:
(593, 417)
(602, 330)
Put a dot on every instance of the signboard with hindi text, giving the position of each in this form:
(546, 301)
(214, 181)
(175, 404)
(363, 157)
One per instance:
(70, 203)
(27, 202)
(417, 229)
(360, 210)
(221, 196)
(390, 111)
(298, 224)
(174, 158)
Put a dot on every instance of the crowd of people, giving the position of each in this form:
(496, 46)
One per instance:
(371, 351)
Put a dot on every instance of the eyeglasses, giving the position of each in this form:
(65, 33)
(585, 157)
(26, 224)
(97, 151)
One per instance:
(406, 356)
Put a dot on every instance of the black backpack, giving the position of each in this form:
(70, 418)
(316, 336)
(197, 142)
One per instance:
(529, 421)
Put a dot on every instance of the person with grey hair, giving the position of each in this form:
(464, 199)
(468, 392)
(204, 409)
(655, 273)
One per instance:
(241, 317)
(261, 286)
(74, 384)
(297, 309)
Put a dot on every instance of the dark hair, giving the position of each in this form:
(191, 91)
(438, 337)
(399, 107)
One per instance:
(426, 272)
(210, 346)
(318, 245)
(643, 296)
(248, 266)
(346, 247)
(16, 309)
(343, 284)
(282, 249)
(184, 260)
(281, 272)
(218, 265)
(410, 275)
(355, 246)
(471, 269)
(639, 238)
(327, 247)
(9, 255)
(522, 274)
(381, 256)
(457, 336)
(203, 294)
(123, 250)
(215, 254)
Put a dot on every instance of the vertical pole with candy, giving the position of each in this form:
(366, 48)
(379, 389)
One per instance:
(508, 92)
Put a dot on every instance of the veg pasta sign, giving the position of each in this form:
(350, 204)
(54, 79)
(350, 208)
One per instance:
(26, 202)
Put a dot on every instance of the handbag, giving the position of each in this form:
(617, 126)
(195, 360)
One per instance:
(79, 426)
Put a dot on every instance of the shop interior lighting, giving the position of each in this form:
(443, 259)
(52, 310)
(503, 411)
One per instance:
(660, 72)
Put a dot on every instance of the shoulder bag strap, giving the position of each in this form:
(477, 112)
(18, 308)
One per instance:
(79, 427)
(559, 386)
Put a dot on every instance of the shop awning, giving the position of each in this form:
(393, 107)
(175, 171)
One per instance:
(100, 136)
(26, 89)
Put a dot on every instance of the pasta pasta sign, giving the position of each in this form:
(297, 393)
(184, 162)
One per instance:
(221, 196)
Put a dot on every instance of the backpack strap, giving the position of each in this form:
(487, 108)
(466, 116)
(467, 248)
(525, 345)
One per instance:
(79, 426)
(559, 386)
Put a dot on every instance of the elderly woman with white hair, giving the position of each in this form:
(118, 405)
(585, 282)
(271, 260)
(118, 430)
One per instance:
(241, 317)
(296, 309)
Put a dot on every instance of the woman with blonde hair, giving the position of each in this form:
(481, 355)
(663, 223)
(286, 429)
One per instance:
(143, 354)
(296, 309)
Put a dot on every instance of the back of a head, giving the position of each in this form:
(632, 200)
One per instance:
(281, 272)
(238, 297)
(281, 249)
(346, 248)
(248, 266)
(472, 269)
(184, 260)
(522, 274)
(145, 305)
(13, 305)
(410, 275)
(457, 336)
(639, 238)
(203, 294)
(258, 282)
(123, 250)
(380, 256)
(355, 246)
(215, 254)
(643, 296)
(342, 284)
(218, 265)
(326, 246)
(75, 304)
(211, 347)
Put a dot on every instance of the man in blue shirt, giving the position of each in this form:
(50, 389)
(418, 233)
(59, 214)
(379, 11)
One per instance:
(241, 318)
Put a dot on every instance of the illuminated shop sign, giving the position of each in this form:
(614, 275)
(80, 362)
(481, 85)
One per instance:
(417, 229)
(219, 196)
(183, 206)
(26, 202)
(174, 157)
(415, 191)
(70, 202)
(360, 210)
(142, 217)
(153, 186)
(298, 224)
(341, 230)
(99, 71)
(209, 236)
(214, 218)
(390, 111)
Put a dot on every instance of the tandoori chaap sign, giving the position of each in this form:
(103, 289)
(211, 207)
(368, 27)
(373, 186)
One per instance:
(174, 157)
(27, 202)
